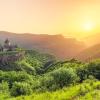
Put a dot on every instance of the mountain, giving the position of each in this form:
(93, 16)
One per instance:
(56, 45)
(92, 40)
(90, 53)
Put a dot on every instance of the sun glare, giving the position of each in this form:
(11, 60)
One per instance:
(88, 26)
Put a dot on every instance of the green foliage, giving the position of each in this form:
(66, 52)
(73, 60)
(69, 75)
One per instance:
(19, 88)
(46, 78)
(82, 72)
(84, 91)
(57, 79)
(64, 76)
(67, 64)
(25, 66)
(38, 60)
(94, 68)
(4, 87)
(12, 77)
(33, 62)
(4, 90)
(9, 53)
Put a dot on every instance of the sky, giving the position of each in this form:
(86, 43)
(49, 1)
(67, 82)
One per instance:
(76, 18)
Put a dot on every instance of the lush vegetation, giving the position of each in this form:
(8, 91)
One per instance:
(41, 77)
(89, 90)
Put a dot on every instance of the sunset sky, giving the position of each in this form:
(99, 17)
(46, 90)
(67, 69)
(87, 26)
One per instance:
(76, 18)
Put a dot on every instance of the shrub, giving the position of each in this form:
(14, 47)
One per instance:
(4, 87)
(58, 79)
(21, 89)
(46, 83)
(82, 72)
(94, 69)
(13, 76)
(64, 76)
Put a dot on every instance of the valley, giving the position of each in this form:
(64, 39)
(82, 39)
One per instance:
(30, 74)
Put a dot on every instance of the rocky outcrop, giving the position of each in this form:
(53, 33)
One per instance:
(8, 57)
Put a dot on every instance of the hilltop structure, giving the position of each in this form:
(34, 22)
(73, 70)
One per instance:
(7, 55)
(7, 46)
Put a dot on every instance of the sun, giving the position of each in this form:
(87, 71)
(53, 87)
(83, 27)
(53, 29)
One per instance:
(88, 26)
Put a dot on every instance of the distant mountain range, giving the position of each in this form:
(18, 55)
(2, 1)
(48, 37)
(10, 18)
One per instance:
(92, 40)
(93, 50)
(90, 53)
(57, 45)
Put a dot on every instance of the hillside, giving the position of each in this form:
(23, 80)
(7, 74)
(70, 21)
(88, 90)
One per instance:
(39, 76)
(92, 40)
(56, 45)
(32, 62)
(90, 92)
(90, 53)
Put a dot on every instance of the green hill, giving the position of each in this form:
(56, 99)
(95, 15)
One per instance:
(39, 76)
(32, 62)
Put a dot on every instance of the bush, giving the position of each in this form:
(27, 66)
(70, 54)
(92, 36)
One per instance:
(4, 87)
(13, 76)
(21, 89)
(64, 76)
(89, 69)
(46, 83)
(82, 72)
(94, 69)
(58, 79)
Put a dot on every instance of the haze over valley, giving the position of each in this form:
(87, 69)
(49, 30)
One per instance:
(57, 45)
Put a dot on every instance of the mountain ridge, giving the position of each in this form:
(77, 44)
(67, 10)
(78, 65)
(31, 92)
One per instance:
(58, 45)
(89, 53)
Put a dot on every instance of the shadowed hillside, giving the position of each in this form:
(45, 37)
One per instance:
(92, 40)
(57, 45)
(90, 53)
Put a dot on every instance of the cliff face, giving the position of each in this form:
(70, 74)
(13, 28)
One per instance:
(5, 58)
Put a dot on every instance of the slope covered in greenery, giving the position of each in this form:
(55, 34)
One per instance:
(32, 62)
(89, 90)
(41, 77)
